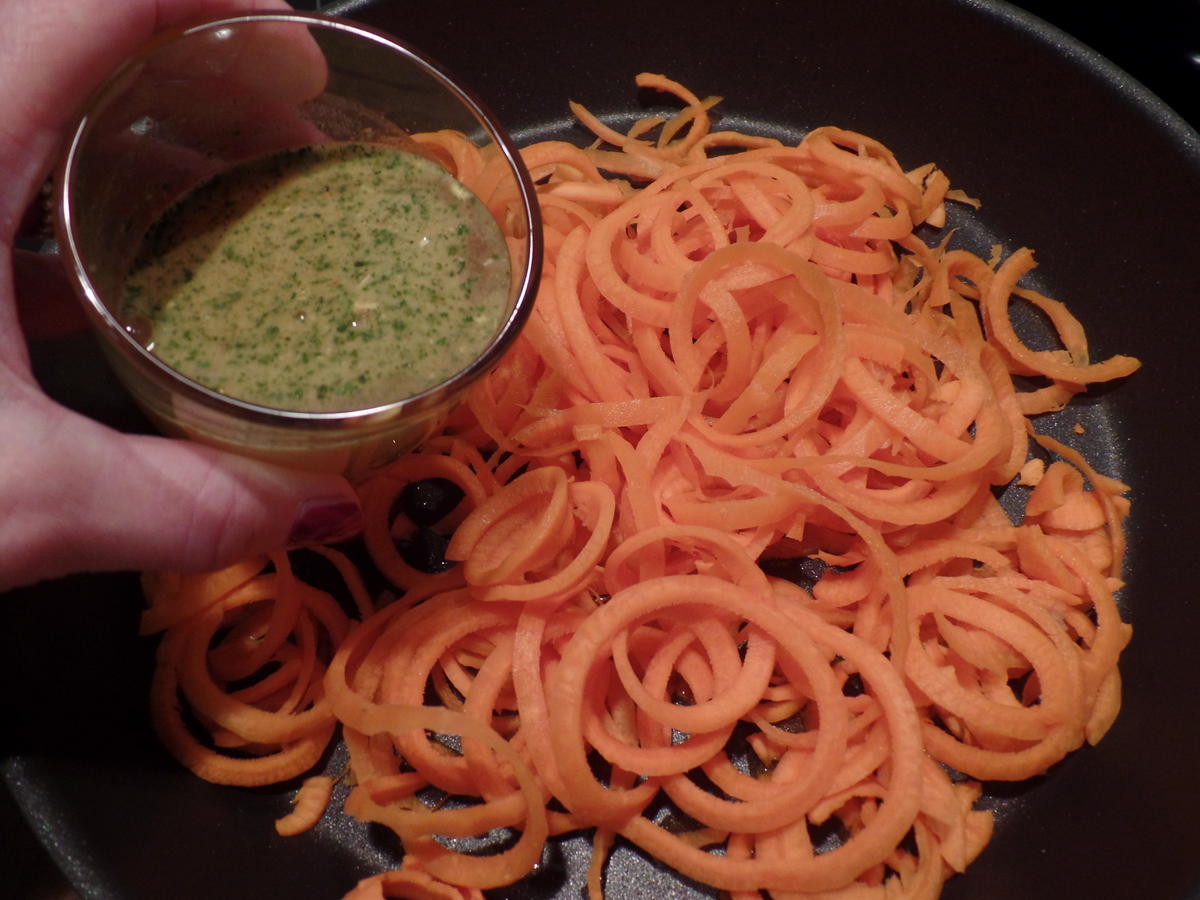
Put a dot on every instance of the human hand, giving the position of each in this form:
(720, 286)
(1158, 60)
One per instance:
(74, 494)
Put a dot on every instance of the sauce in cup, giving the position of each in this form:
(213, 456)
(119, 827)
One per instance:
(333, 277)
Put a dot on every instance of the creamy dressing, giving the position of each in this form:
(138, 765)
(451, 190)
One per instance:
(336, 277)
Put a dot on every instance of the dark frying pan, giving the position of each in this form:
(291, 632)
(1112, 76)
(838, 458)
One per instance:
(1070, 155)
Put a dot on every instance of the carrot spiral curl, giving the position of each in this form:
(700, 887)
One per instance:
(743, 362)
(256, 688)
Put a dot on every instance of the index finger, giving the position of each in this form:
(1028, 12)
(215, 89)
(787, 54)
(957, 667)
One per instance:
(57, 51)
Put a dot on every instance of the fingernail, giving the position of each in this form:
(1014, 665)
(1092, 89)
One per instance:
(325, 521)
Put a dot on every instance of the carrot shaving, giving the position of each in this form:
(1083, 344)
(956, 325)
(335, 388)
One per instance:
(746, 364)
(1032, 472)
(308, 807)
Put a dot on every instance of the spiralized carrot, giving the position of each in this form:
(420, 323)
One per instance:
(247, 665)
(741, 354)
(308, 807)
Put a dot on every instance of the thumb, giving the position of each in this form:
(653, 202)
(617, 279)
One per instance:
(83, 497)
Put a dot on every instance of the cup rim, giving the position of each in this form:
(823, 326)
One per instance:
(196, 391)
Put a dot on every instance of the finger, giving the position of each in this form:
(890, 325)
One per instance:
(81, 497)
(229, 93)
(85, 39)
(46, 303)
(267, 59)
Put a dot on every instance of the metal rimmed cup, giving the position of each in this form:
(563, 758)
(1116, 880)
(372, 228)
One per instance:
(198, 100)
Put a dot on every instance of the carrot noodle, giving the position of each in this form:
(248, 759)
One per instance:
(742, 360)
(308, 807)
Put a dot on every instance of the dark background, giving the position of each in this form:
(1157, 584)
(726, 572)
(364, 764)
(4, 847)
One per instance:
(1156, 42)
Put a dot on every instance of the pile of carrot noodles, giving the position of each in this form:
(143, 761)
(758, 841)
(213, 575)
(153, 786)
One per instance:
(743, 361)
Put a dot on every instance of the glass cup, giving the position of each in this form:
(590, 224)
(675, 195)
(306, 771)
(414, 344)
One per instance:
(198, 100)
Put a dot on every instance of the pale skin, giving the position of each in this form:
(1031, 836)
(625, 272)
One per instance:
(75, 495)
